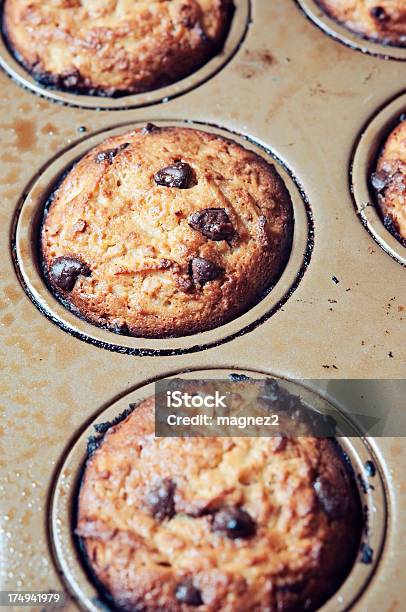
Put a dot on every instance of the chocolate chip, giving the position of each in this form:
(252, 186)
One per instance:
(110, 154)
(379, 180)
(150, 127)
(214, 223)
(188, 594)
(160, 500)
(178, 175)
(65, 271)
(330, 498)
(234, 523)
(379, 13)
(203, 270)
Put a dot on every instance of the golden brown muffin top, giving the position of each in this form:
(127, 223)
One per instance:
(115, 46)
(166, 232)
(389, 182)
(230, 524)
(383, 20)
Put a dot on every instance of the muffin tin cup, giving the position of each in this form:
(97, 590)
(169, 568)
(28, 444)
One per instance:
(366, 152)
(27, 259)
(62, 508)
(356, 41)
(234, 39)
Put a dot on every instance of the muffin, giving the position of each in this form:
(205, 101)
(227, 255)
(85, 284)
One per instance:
(111, 47)
(219, 524)
(389, 182)
(166, 232)
(379, 20)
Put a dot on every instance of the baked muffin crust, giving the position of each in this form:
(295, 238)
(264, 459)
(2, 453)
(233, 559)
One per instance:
(220, 524)
(173, 231)
(389, 182)
(113, 47)
(380, 20)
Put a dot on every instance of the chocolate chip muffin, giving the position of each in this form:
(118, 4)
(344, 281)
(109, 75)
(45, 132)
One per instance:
(166, 232)
(389, 182)
(217, 524)
(115, 47)
(380, 20)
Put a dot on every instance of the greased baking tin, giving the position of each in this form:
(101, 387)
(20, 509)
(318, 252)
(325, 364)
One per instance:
(300, 96)
(26, 240)
(239, 26)
(63, 500)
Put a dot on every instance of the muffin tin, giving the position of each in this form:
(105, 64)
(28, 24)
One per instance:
(319, 109)
(365, 156)
(63, 502)
(26, 241)
(356, 41)
(9, 62)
